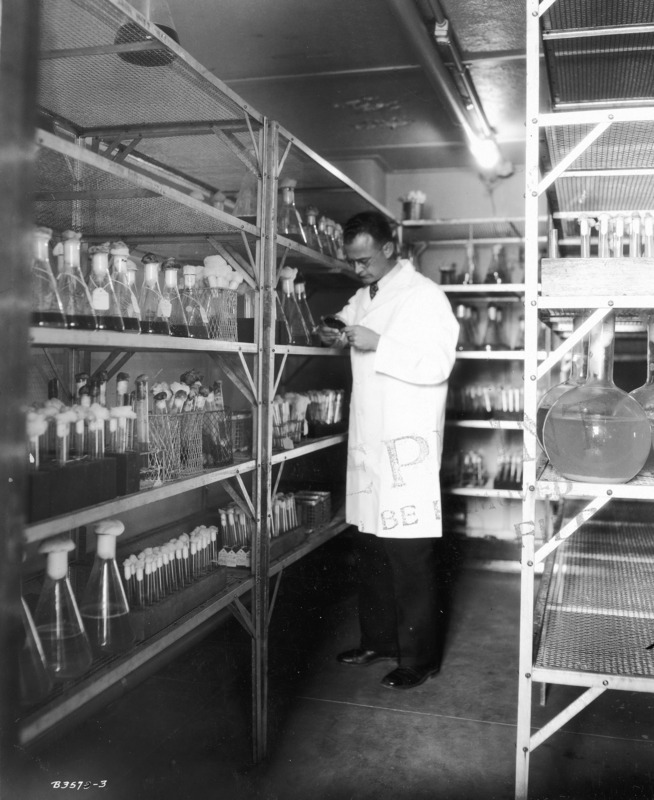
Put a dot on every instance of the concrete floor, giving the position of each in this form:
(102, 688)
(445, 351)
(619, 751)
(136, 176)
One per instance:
(335, 733)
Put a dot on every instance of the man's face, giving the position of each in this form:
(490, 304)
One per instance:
(369, 260)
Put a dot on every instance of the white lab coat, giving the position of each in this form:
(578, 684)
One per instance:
(397, 411)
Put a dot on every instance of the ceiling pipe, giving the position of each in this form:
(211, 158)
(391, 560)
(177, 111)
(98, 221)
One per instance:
(435, 71)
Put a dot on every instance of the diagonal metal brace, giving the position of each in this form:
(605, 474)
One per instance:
(273, 597)
(240, 612)
(245, 387)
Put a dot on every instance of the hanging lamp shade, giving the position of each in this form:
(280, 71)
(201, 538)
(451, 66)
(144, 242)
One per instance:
(158, 13)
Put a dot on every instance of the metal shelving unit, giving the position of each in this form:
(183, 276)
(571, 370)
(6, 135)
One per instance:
(589, 627)
(135, 140)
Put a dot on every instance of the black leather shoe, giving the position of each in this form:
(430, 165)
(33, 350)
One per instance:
(361, 658)
(408, 677)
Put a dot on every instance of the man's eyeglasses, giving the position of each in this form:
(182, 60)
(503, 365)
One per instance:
(362, 262)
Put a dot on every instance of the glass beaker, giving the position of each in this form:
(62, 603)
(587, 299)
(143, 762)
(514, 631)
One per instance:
(305, 310)
(172, 301)
(57, 618)
(104, 606)
(644, 394)
(291, 310)
(124, 270)
(154, 311)
(73, 291)
(493, 338)
(196, 315)
(576, 377)
(35, 678)
(289, 221)
(101, 288)
(47, 308)
(597, 433)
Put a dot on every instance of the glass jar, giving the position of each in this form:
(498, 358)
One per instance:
(644, 394)
(596, 432)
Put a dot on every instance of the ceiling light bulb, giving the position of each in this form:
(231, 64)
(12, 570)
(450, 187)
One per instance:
(486, 153)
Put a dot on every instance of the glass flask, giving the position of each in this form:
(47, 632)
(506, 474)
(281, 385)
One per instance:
(123, 272)
(289, 221)
(330, 230)
(104, 606)
(311, 230)
(618, 236)
(291, 310)
(282, 329)
(35, 678)
(648, 236)
(309, 322)
(73, 291)
(172, 301)
(597, 433)
(194, 310)
(103, 297)
(325, 241)
(493, 339)
(576, 377)
(497, 272)
(635, 235)
(603, 235)
(469, 275)
(154, 311)
(47, 309)
(644, 394)
(57, 618)
(466, 340)
(584, 231)
(246, 201)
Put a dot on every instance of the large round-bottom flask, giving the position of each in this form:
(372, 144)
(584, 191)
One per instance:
(597, 433)
(644, 394)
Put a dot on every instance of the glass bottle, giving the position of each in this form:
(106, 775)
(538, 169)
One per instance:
(603, 235)
(291, 310)
(73, 291)
(289, 221)
(311, 229)
(644, 394)
(194, 310)
(172, 301)
(635, 232)
(331, 235)
(104, 606)
(584, 231)
(57, 618)
(618, 236)
(326, 242)
(648, 236)
(47, 309)
(123, 271)
(597, 433)
(576, 377)
(35, 678)
(497, 272)
(466, 340)
(493, 339)
(338, 240)
(101, 288)
(305, 310)
(469, 274)
(245, 207)
(154, 311)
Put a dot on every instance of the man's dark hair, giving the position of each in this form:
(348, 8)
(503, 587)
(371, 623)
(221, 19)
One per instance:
(371, 222)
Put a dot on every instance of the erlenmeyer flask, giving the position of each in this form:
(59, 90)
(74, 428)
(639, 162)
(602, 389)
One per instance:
(196, 315)
(576, 377)
(35, 679)
(72, 288)
(493, 339)
(172, 301)
(644, 394)
(103, 297)
(325, 241)
(104, 606)
(289, 221)
(154, 312)
(466, 340)
(47, 309)
(597, 433)
(124, 269)
(298, 330)
(57, 618)
(311, 229)
(305, 310)
(245, 207)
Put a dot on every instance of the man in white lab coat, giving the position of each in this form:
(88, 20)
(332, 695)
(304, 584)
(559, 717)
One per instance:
(402, 336)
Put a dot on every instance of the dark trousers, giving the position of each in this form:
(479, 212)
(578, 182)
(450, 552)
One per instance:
(399, 608)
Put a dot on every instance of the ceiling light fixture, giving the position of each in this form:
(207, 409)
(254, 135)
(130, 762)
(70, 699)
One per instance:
(145, 52)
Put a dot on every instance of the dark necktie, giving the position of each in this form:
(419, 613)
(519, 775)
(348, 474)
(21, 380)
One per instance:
(374, 288)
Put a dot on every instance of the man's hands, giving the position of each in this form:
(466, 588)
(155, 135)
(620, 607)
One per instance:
(361, 338)
(331, 337)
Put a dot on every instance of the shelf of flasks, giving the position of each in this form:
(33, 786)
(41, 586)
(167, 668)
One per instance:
(109, 672)
(37, 531)
(111, 340)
